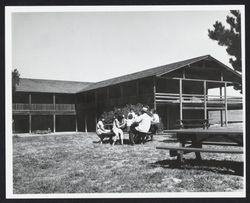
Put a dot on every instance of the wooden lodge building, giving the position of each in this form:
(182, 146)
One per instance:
(45, 104)
(178, 91)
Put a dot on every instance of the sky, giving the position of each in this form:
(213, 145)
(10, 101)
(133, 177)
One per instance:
(94, 46)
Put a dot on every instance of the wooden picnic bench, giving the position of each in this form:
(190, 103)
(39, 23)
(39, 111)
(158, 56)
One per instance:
(137, 138)
(198, 137)
(106, 135)
(141, 137)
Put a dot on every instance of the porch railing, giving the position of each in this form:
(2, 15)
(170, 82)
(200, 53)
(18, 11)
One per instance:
(43, 107)
(195, 98)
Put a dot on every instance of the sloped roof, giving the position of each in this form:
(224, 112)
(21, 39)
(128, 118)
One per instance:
(152, 72)
(50, 86)
(71, 87)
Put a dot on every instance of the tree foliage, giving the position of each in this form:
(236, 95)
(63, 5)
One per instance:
(109, 115)
(15, 80)
(230, 38)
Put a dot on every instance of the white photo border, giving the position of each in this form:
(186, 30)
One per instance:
(9, 10)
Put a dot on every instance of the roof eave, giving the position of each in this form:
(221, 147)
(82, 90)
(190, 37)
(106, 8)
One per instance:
(204, 57)
(225, 66)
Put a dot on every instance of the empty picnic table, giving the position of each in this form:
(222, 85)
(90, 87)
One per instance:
(193, 123)
(199, 137)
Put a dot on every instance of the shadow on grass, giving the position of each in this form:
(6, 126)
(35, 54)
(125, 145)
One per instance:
(222, 167)
(108, 141)
(104, 142)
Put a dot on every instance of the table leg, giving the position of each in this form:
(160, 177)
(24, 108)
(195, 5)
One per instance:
(197, 144)
(180, 153)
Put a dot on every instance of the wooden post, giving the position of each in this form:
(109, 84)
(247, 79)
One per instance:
(154, 92)
(85, 123)
(76, 123)
(225, 96)
(180, 153)
(54, 102)
(30, 117)
(54, 115)
(54, 122)
(221, 115)
(30, 123)
(196, 144)
(205, 98)
(180, 91)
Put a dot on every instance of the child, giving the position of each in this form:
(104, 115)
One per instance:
(155, 122)
(130, 119)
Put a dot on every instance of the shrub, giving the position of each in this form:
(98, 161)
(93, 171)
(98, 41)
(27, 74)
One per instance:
(109, 116)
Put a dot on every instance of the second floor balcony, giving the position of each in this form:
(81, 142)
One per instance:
(20, 107)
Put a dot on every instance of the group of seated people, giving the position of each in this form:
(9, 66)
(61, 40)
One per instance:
(137, 126)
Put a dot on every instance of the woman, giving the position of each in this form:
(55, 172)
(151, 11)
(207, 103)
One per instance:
(100, 130)
(117, 131)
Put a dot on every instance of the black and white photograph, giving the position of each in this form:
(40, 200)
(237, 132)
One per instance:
(125, 101)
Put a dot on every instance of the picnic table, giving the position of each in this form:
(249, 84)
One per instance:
(193, 123)
(198, 137)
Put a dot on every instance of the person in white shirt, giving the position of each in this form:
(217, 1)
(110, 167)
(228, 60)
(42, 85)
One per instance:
(155, 122)
(100, 130)
(144, 123)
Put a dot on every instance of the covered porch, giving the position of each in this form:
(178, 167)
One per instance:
(181, 99)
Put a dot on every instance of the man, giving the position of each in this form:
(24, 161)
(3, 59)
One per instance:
(144, 123)
(100, 130)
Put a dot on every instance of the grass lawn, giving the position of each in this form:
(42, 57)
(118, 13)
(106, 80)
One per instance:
(76, 163)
